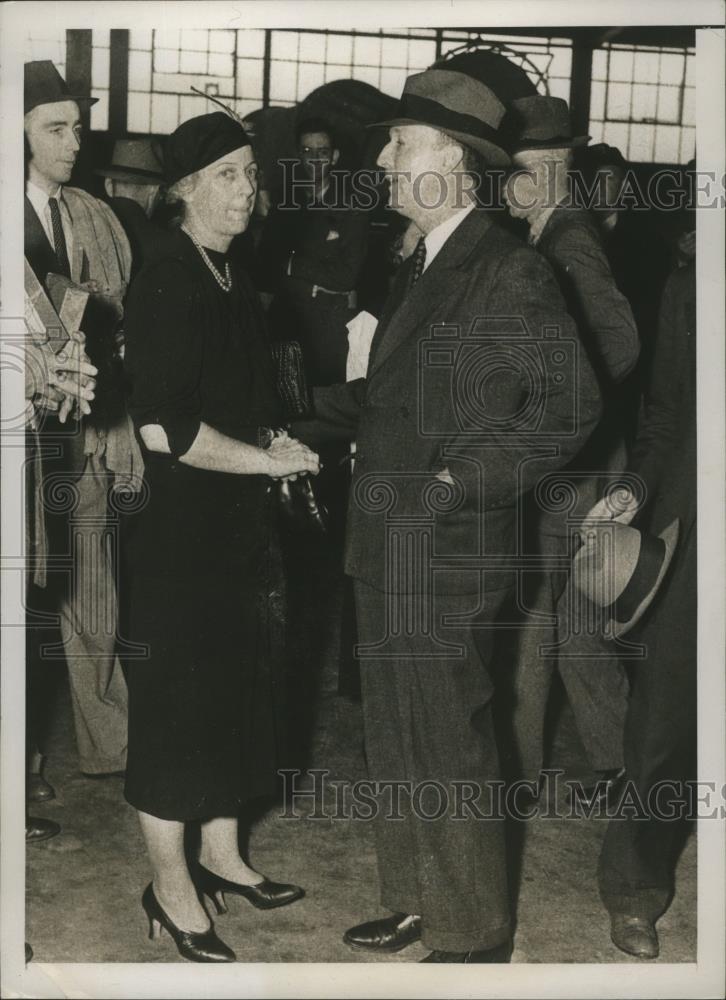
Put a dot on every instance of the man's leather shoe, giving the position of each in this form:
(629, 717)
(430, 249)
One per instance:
(387, 934)
(37, 789)
(37, 829)
(634, 935)
(501, 954)
(606, 791)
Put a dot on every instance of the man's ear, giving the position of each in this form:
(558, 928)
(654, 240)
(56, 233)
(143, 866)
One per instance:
(453, 156)
(108, 186)
(336, 156)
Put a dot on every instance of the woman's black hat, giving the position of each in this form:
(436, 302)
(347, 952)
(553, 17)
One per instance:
(201, 141)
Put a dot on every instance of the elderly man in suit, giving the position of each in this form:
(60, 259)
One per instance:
(72, 234)
(475, 385)
(540, 191)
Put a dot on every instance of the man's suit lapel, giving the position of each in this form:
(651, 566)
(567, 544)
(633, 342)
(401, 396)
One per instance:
(440, 282)
(40, 254)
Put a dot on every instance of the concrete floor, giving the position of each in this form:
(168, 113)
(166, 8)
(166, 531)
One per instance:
(84, 887)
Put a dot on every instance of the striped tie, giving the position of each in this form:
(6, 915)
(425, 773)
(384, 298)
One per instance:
(419, 259)
(59, 239)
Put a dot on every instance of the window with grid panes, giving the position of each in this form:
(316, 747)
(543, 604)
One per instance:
(643, 101)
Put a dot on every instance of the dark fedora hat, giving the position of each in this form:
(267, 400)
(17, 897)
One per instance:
(620, 569)
(45, 85)
(458, 105)
(544, 123)
(134, 160)
(508, 80)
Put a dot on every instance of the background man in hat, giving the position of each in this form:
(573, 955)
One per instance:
(70, 233)
(639, 853)
(132, 182)
(539, 190)
(427, 713)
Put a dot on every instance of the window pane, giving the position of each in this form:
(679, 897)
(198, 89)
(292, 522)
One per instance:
(139, 38)
(166, 61)
(641, 143)
(671, 67)
(251, 42)
(689, 106)
(597, 131)
(139, 113)
(164, 113)
(99, 112)
(167, 39)
(340, 49)
(646, 67)
(394, 52)
(245, 108)
(195, 40)
(561, 62)
(421, 54)
(368, 74)
(221, 41)
(220, 64)
(367, 51)
(310, 76)
(644, 101)
(599, 64)
(616, 134)
(618, 100)
(283, 80)
(667, 143)
(312, 48)
(193, 62)
(392, 81)
(597, 100)
(621, 66)
(139, 70)
(284, 44)
(560, 88)
(334, 71)
(190, 107)
(100, 66)
(688, 144)
(249, 78)
(669, 104)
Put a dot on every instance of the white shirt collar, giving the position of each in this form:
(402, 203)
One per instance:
(39, 199)
(438, 236)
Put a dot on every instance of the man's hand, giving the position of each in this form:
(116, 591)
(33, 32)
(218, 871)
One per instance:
(621, 506)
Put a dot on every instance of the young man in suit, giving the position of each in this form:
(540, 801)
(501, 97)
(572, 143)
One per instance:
(68, 232)
(466, 402)
(639, 853)
(539, 190)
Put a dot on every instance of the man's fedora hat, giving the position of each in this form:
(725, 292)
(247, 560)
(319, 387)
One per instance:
(619, 569)
(456, 104)
(134, 160)
(544, 123)
(45, 85)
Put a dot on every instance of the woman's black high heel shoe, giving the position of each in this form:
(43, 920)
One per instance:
(195, 946)
(265, 895)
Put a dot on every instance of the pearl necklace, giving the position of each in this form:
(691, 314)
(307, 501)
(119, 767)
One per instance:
(224, 283)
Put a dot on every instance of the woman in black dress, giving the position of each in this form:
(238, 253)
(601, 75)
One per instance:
(201, 700)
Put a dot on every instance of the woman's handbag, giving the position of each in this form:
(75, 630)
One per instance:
(297, 496)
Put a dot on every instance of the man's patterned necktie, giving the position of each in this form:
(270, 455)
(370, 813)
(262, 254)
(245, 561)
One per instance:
(59, 239)
(419, 259)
